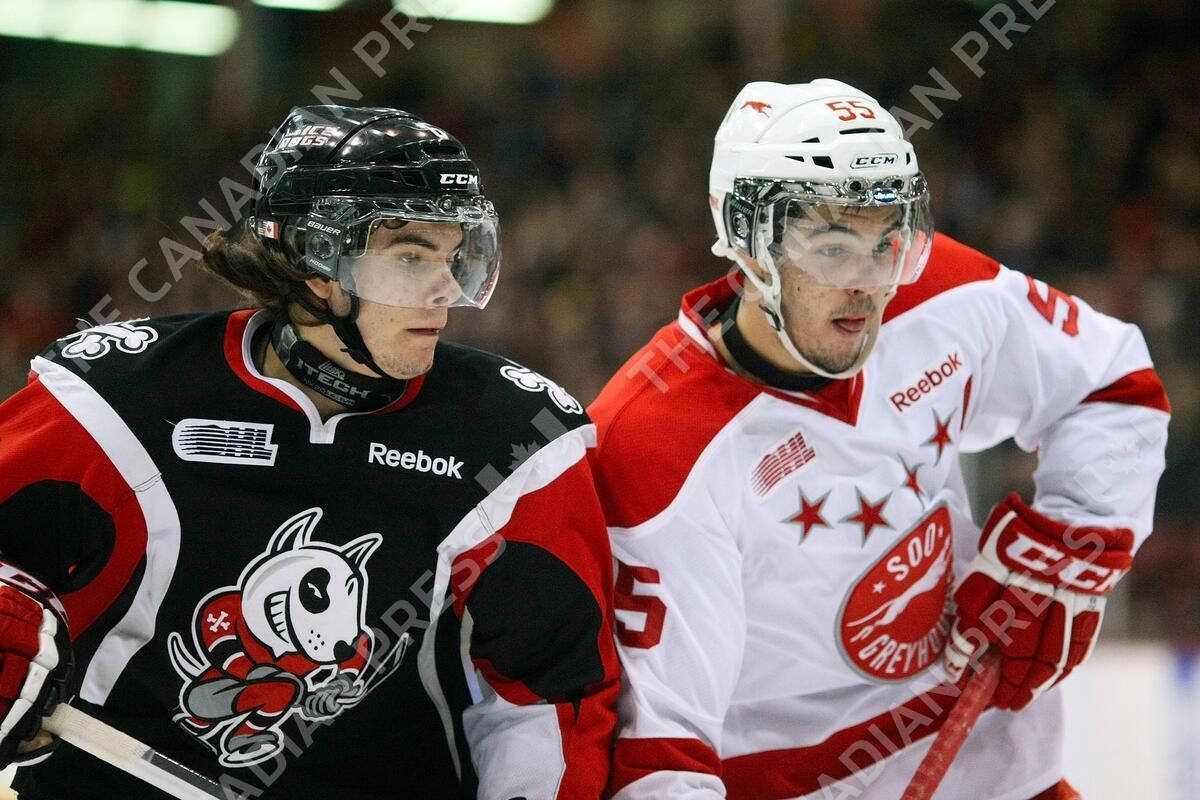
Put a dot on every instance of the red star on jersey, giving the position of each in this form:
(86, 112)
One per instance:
(870, 515)
(810, 515)
(910, 479)
(941, 434)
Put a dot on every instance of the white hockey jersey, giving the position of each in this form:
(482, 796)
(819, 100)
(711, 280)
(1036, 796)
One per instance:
(785, 561)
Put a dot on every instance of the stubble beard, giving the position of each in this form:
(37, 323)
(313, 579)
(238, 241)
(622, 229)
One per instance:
(832, 362)
(406, 367)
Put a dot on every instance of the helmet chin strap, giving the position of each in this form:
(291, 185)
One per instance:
(792, 351)
(347, 330)
(315, 370)
(771, 306)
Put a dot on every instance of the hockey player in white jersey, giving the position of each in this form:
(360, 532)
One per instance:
(799, 580)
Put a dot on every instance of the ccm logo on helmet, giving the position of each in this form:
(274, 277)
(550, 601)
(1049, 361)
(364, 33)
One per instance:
(459, 179)
(877, 160)
(418, 462)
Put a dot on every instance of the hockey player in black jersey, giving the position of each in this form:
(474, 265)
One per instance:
(306, 548)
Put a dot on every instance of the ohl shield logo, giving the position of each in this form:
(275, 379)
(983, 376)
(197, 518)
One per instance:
(290, 638)
(894, 621)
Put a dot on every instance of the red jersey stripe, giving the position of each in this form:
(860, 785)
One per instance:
(1139, 388)
(778, 774)
(634, 759)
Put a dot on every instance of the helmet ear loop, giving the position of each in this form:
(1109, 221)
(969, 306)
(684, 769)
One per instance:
(771, 288)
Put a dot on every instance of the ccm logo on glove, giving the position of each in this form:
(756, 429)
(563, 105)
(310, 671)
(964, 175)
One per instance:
(1048, 561)
(1035, 592)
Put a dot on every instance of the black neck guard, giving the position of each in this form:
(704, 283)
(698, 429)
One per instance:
(748, 358)
(311, 367)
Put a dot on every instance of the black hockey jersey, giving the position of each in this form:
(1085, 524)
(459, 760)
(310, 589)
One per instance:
(409, 603)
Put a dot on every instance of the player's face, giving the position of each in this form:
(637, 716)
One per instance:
(408, 264)
(832, 326)
(402, 340)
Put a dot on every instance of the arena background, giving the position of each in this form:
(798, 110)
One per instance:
(1069, 148)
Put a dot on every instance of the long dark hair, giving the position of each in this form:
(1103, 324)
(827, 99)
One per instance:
(267, 277)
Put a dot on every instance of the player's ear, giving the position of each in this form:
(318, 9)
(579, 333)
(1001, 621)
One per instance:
(750, 292)
(321, 287)
(296, 532)
(358, 551)
(754, 265)
(336, 298)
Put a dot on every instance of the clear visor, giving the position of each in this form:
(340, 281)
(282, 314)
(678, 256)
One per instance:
(414, 260)
(847, 245)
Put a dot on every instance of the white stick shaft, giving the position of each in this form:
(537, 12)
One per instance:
(123, 751)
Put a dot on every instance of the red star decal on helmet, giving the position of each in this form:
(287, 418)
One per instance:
(870, 515)
(810, 515)
(941, 434)
(758, 106)
(910, 478)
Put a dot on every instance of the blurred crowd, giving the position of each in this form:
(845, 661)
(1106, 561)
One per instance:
(1073, 157)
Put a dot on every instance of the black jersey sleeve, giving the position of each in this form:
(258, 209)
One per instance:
(538, 595)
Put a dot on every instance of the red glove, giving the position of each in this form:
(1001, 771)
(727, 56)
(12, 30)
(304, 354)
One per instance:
(35, 661)
(1036, 592)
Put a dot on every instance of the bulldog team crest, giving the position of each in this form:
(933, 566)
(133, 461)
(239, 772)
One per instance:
(895, 620)
(289, 638)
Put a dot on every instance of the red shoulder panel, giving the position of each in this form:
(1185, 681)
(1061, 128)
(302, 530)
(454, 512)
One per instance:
(950, 264)
(653, 420)
(40, 440)
(1140, 388)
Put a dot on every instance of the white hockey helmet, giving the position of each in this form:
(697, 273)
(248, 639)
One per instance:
(807, 153)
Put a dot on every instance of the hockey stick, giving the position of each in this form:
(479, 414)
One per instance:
(962, 718)
(124, 752)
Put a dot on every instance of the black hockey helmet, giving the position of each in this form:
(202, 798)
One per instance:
(333, 177)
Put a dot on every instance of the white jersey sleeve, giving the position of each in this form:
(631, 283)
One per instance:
(1078, 387)
(681, 629)
(680, 612)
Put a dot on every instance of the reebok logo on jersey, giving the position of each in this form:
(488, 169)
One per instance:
(781, 462)
(934, 378)
(218, 441)
(895, 620)
(417, 462)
